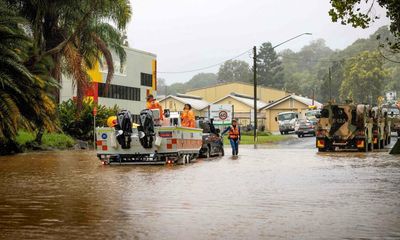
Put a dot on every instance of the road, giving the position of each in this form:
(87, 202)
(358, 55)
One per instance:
(282, 191)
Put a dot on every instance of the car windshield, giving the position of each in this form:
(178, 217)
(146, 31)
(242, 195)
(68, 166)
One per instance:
(311, 114)
(394, 110)
(286, 116)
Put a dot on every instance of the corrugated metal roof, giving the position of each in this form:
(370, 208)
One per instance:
(307, 101)
(304, 100)
(197, 104)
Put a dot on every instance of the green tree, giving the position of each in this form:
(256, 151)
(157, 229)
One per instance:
(176, 88)
(75, 34)
(234, 71)
(353, 13)
(363, 80)
(269, 67)
(161, 86)
(330, 88)
(24, 99)
(202, 80)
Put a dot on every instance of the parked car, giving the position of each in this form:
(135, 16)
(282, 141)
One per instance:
(212, 142)
(304, 127)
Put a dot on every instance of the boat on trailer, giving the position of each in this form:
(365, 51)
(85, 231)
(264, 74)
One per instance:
(152, 141)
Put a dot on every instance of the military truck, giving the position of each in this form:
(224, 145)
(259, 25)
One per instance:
(380, 127)
(344, 126)
(394, 118)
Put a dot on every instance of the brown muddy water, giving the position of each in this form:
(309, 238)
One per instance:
(266, 193)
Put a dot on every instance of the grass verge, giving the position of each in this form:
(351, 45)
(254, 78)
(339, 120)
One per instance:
(261, 139)
(49, 140)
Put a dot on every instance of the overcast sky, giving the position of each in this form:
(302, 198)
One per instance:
(190, 34)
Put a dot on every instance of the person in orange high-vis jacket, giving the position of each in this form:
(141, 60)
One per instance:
(152, 103)
(187, 117)
(234, 136)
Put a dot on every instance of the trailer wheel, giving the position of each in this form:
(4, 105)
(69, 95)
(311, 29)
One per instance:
(321, 149)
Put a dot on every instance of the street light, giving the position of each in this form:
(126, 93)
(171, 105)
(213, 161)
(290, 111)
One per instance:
(255, 78)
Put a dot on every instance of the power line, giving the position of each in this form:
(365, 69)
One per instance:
(211, 66)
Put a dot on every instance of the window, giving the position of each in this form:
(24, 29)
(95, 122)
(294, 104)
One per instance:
(119, 92)
(146, 79)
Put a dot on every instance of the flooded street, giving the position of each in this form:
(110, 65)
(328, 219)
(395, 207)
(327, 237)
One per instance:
(286, 191)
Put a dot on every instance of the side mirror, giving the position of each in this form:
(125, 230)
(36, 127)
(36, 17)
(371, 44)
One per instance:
(276, 119)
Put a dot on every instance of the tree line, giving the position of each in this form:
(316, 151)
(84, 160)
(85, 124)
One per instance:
(315, 70)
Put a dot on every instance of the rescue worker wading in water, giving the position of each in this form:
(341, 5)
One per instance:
(187, 117)
(152, 103)
(234, 136)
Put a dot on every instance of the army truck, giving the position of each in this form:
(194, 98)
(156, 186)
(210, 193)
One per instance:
(344, 126)
(380, 128)
(394, 117)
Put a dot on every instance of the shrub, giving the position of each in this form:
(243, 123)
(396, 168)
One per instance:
(80, 124)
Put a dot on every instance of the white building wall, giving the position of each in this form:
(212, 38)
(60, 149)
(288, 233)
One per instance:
(137, 62)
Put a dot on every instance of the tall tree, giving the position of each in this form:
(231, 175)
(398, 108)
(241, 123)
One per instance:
(75, 34)
(269, 67)
(202, 80)
(234, 71)
(161, 86)
(358, 13)
(24, 98)
(330, 87)
(363, 80)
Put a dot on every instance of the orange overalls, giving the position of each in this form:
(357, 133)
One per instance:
(188, 119)
(154, 104)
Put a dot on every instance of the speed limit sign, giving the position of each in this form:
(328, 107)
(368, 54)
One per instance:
(223, 115)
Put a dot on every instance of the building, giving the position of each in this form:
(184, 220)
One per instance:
(243, 106)
(131, 84)
(219, 91)
(292, 102)
(176, 104)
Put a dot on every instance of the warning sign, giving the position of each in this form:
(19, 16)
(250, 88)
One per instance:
(222, 114)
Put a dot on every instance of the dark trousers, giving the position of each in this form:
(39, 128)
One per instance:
(235, 146)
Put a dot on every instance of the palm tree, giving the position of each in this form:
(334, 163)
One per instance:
(76, 33)
(24, 101)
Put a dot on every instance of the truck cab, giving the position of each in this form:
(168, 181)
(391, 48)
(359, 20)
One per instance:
(287, 121)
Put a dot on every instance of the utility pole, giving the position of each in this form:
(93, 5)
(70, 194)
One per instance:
(255, 91)
(330, 84)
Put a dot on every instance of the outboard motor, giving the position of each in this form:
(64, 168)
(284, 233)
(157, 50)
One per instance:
(124, 129)
(146, 127)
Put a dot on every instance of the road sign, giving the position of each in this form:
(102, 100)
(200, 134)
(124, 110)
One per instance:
(221, 113)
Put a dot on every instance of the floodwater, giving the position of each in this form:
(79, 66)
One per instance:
(287, 191)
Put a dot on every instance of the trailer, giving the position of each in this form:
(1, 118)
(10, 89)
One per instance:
(151, 142)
